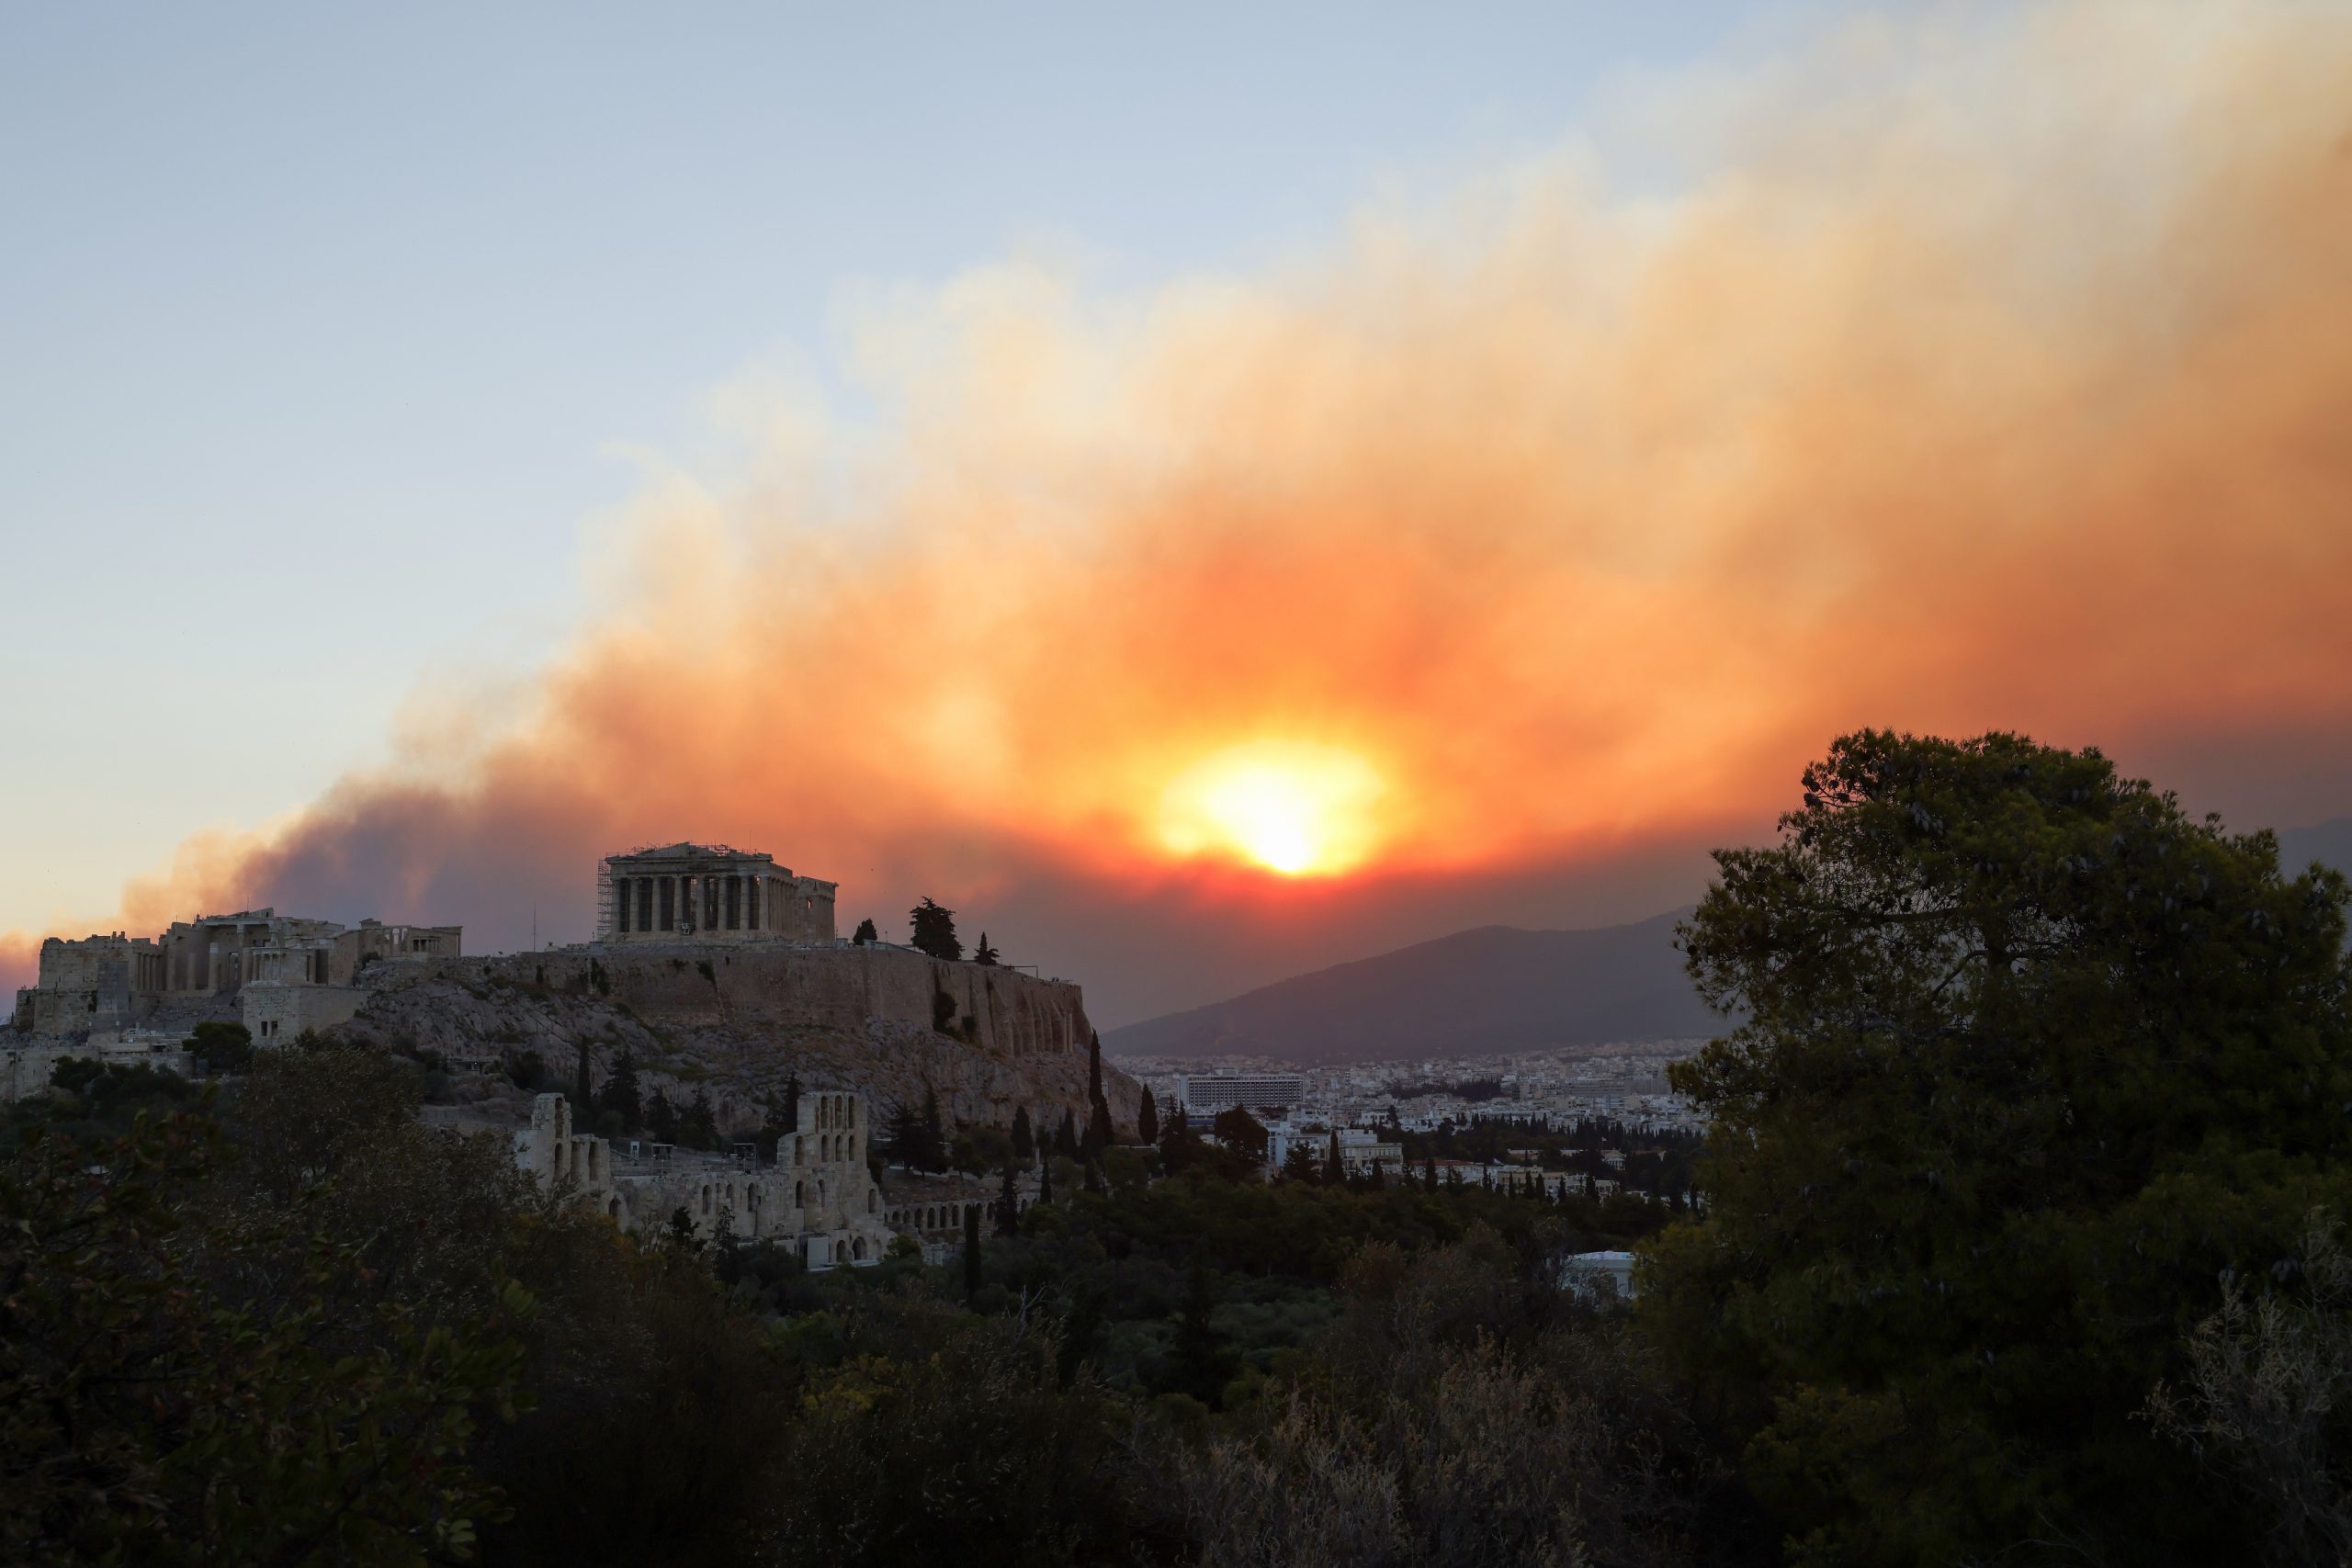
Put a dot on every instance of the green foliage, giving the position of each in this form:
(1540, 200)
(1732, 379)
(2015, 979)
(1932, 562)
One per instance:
(621, 1096)
(935, 931)
(185, 1381)
(110, 1092)
(1240, 1130)
(2028, 1058)
(222, 1047)
(946, 1438)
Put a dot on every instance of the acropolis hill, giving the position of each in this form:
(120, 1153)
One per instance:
(716, 970)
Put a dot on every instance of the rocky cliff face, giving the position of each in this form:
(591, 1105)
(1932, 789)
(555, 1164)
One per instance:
(736, 1023)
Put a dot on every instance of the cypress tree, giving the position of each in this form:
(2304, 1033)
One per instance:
(1428, 1172)
(1094, 1068)
(1008, 1219)
(1147, 1120)
(1065, 1135)
(971, 1250)
(934, 1133)
(1098, 1133)
(621, 1094)
(1335, 1171)
(1046, 1180)
(1024, 1141)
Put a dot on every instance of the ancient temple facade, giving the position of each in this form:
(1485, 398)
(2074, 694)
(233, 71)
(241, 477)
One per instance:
(708, 893)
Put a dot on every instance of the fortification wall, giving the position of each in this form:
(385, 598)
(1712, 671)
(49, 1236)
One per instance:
(830, 988)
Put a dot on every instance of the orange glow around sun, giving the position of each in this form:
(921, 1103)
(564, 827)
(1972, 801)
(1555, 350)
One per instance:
(1295, 808)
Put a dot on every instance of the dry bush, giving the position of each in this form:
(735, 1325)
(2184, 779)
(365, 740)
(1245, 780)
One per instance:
(1451, 1416)
(2269, 1400)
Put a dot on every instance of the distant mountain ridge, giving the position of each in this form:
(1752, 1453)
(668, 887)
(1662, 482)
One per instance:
(1492, 990)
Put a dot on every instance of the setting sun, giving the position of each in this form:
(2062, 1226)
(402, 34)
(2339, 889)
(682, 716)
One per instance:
(1295, 808)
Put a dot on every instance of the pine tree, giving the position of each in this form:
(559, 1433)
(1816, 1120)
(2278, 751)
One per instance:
(984, 954)
(1298, 1162)
(935, 931)
(1147, 1120)
(971, 1251)
(699, 1125)
(1024, 1141)
(621, 1093)
(865, 934)
(661, 1119)
(1335, 1169)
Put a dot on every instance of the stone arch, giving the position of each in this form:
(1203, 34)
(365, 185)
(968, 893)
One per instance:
(706, 1199)
(613, 1209)
(857, 1249)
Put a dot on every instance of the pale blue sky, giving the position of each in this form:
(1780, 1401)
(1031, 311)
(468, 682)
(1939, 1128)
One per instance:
(319, 327)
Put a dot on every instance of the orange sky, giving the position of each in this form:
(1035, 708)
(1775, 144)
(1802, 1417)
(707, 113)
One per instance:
(1993, 379)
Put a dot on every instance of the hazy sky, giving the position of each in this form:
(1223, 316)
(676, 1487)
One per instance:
(324, 330)
(1021, 453)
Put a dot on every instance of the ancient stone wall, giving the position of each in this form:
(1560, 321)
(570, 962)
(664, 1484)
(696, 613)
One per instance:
(276, 1011)
(835, 988)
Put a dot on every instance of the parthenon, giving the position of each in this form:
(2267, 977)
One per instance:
(706, 892)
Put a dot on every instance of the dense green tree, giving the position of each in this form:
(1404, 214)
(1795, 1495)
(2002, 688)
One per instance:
(620, 1093)
(1203, 1364)
(1240, 1130)
(935, 931)
(185, 1381)
(866, 935)
(1298, 1163)
(2026, 1059)
(698, 1124)
(222, 1047)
